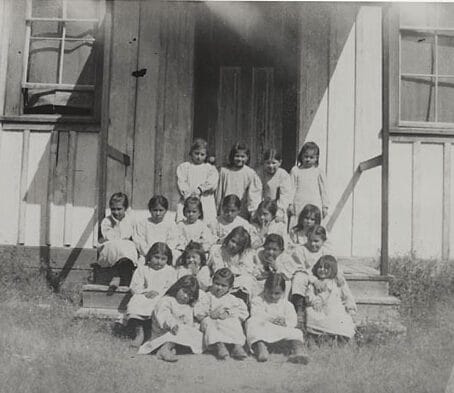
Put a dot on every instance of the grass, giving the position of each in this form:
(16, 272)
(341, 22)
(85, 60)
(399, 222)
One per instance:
(44, 349)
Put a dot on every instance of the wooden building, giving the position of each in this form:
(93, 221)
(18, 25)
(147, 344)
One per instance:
(105, 96)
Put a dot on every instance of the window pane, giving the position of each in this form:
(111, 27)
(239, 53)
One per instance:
(79, 63)
(46, 29)
(422, 15)
(50, 101)
(43, 61)
(446, 100)
(82, 30)
(417, 53)
(445, 15)
(417, 99)
(47, 8)
(445, 55)
(82, 9)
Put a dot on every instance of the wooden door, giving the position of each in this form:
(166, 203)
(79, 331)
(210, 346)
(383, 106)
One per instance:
(245, 82)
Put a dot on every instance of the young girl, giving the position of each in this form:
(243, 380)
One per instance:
(264, 222)
(330, 302)
(193, 228)
(276, 183)
(308, 218)
(229, 218)
(148, 285)
(157, 228)
(309, 181)
(193, 262)
(117, 249)
(241, 180)
(236, 254)
(273, 319)
(173, 321)
(221, 315)
(198, 178)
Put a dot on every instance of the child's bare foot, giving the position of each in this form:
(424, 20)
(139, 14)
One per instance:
(262, 351)
(238, 352)
(139, 336)
(222, 352)
(298, 355)
(113, 285)
(167, 353)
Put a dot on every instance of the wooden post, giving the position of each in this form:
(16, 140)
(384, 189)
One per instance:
(50, 184)
(416, 193)
(23, 186)
(67, 234)
(446, 218)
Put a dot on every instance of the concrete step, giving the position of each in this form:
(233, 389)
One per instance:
(368, 286)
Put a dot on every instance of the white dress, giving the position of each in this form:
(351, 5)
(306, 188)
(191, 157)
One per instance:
(117, 241)
(333, 317)
(229, 330)
(146, 279)
(220, 228)
(167, 314)
(192, 179)
(196, 232)
(260, 328)
(258, 234)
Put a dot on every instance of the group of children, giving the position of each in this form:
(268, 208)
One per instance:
(245, 255)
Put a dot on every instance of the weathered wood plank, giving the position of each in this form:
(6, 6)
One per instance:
(70, 174)
(446, 225)
(416, 197)
(5, 10)
(50, 185)
(23, 186)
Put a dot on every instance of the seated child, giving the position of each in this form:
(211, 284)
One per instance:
(221, 315)
(330, 304)
(117, 249)
(149, 283)
(193, 262)
(229, 218)
(273, 319)
(173, 321)
(264, 222)
(235, 253)
(193, 228)
(308, 218)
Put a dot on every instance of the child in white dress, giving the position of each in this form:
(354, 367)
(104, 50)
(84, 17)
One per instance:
(193, 227)
(117, 249)
(308, 218)
(173, 324)
(193, 262)
(198, 178)
(330, 304)
(149, 283)
(273, 319)
(236, 254)
(229, 218)
(221, 315)
(239, 179)
(309, 181)
(276, 183)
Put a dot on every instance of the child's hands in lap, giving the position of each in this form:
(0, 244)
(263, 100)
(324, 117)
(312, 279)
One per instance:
(219, 313)
(175, 329)
(278, 321)
(151, 294)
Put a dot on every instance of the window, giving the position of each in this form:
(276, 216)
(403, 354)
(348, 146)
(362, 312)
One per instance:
(59, 59)
(426, 65)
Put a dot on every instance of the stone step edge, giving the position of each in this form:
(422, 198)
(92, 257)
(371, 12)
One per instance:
(379, 300)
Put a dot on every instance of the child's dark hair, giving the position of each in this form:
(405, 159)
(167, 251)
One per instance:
(193, 201)
(157, 200)
(306, 147)
(272, 154)
(274, 238)
(317, 230)
(160, 248)
(224, 274)
(192, 247)
(329, 262)
(239, 146)
(309, 211)
(199, 144)
(273, 281)
(189, 285)
(231, 199)
(119, 197)
(243, 235)
(267, 204)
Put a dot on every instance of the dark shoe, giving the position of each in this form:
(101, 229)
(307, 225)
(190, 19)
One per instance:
(238, 352)
(297, 355)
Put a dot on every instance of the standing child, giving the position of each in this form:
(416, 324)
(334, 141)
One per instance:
(264, 222)
(273, 319)
(193, 228)
(236, 254)
(309, 182)
(221, 315)
(239, 179)
(276, 183)
(330, 302)
(198, 178)
(193, 262)
(308, 218)
(148, 285)
(117, 249)
(229, 218)
(173, 324)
